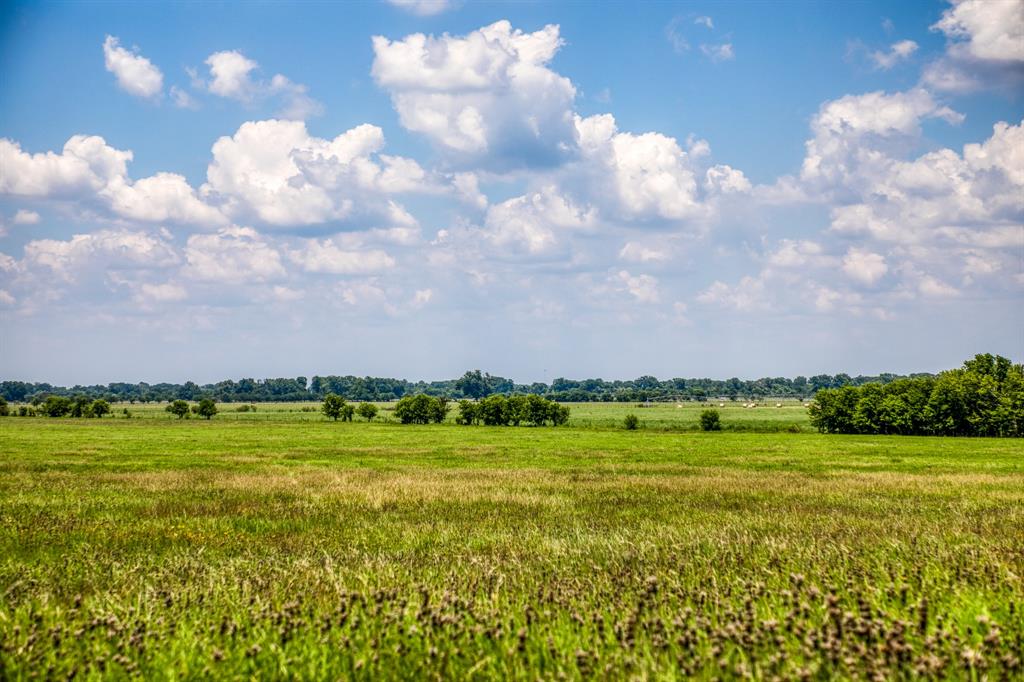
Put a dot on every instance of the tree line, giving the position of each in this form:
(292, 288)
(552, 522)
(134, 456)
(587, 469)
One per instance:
(984, 397)
(493, 410)
(471, 385)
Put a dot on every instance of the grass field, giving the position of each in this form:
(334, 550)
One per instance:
(275, 544)
(790, 415)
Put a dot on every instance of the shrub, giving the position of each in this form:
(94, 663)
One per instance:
(631, 422)
(99, 408)
(467, 413)
(4, 410)
(333, 406)
(421, 409)
(367, 411)
(56, 406)
(710, 421)
(179, 408)
(205, 409)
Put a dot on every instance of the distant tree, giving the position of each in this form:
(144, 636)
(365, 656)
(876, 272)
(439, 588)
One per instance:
(493, 410)
(56, 406)
(473, 385)
(333, 406)
(710, 421)
(518, 409)
(346, 413)
(367, 411)
(833, 409)
(179, 408)
(81, 407)
(100, 407)
(206, 408)
(631, 422)
(4, 410)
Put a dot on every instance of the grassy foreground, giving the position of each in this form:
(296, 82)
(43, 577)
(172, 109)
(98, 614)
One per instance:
(303, 549)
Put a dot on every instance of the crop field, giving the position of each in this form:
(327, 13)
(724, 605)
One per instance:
(277, 544)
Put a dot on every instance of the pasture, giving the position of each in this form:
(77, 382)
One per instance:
(277, 544)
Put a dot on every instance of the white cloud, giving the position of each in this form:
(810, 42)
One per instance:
(486, 97)
(986, 29)
(233, 255)
(635, 252)
(135, 74)
(6, 298)
(704, 21)
(327, 257)
(160, 293)
(535, 222)
(896, 53)
(277, 173)
(91, 172)
(985, 47)
(718, 53)
(747, 295)
(723, 179)
(644, 288)
(934, 288)
(231, 77)
(25, 217)
(642, 177)
(104, 249)
(182, 99)
(423, 8)
(864, 266)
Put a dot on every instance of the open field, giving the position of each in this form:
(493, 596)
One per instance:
(658, 415)
(256, 545)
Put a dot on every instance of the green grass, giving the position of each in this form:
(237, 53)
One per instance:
(276, 544)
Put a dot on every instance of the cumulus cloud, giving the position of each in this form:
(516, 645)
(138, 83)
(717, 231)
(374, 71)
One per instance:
(231, 76)
(91, 172)
(275, 172)
(327, 257)
(160, 293)
(985, 47)
(135, 74)
(635, 252)
(232, 255)
(535, 222)
(864, 266)
(487, 97)
(103, 249)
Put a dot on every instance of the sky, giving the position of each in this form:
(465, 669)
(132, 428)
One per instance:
(414, 188)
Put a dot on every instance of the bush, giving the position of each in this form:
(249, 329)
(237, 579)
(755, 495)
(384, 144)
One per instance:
(421, 409)
(56, 406)
(367, 411)
(631, 422)
(99, 408)
(4, 410)
(333, 406)
(206, 408)
(710, 421)
(179, 408)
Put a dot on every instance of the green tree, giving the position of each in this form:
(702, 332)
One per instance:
(347, 412)
(179, 408)
(367, 411)
(333, 406)
(100, 407)
(473, 385)
(833, 409)
(206, 408)
(4, 409)
(421, 409)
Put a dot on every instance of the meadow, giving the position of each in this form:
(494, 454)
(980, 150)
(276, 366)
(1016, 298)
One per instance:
(277, 544)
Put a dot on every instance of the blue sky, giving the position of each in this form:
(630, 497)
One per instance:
(535, 189)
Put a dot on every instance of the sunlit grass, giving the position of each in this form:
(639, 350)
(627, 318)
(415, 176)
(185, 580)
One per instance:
(293, 547)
